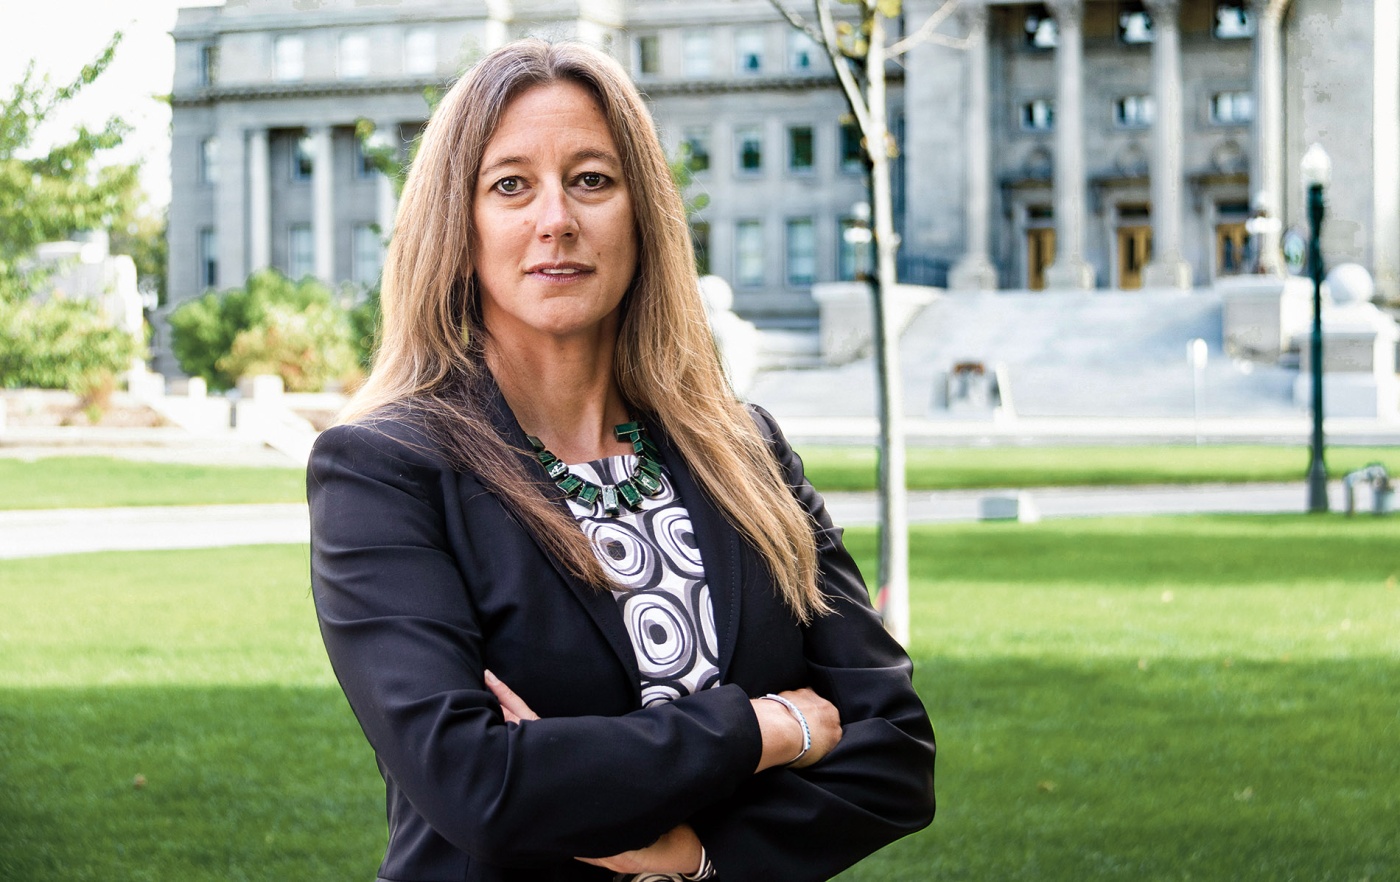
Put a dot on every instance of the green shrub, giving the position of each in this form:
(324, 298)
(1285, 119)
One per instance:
(272, 325)
(62, 344)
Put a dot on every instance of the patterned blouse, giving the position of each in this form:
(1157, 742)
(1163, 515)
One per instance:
(652, 556)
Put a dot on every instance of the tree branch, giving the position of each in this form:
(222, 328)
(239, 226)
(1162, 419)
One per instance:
(854, 96)
(800, 23)
(927, 32)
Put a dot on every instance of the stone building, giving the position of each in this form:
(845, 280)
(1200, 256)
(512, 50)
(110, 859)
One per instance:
(1064, 144)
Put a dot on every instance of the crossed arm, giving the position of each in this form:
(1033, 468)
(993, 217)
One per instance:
(679, 849)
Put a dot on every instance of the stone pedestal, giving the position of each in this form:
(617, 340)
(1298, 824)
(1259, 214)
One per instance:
(846, 316)
(973, 273)
(1358, 364)
(1263, 314)
(1072, 273)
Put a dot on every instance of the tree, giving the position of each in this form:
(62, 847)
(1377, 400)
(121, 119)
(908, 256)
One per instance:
(50, 195)
(271, 325)
(858, 54)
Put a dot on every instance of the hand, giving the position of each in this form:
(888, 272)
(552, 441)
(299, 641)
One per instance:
(675, 852)
(782, 734)
(512, 706)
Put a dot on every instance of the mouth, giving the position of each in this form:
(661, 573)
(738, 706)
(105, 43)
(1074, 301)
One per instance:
(559, 271)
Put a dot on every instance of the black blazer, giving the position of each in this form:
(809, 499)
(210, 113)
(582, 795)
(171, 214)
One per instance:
(422, 579)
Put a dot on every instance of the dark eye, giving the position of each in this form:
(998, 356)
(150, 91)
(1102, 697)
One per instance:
(508, 186)
(592, 180)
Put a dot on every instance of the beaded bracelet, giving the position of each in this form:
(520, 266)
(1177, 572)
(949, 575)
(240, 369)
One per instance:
(801, 721)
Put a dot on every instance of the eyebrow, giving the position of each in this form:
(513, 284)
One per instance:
(505, 161)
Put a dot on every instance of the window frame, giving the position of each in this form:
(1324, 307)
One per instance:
(415, 40)
(741, 54)
(361, 68)
(741, 258)
(791, 258)
(294, 251)
(288, 66)
(811, 165)
(740, 152)
(208, 173)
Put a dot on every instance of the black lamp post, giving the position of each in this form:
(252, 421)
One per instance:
(1317, 170)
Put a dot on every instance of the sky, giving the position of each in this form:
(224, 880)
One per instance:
(60, 36)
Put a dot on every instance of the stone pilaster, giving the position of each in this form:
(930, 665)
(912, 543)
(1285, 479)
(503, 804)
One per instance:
(1266, 155)
(259, 202)
(1167, 269)
(975, 271)
(1069, 270)
(323, 204)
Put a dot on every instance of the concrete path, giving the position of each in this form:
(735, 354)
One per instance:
(41, 533)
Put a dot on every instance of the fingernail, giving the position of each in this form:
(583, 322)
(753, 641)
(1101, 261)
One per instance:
(491, 678)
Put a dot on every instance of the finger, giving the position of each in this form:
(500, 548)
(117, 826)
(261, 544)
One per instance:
(512, 705)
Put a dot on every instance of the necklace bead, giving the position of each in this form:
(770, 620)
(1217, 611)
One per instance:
(645, 479)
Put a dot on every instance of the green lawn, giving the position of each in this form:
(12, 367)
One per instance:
(1212, 698)
(101, 482)
(96, 482)
(959, 468)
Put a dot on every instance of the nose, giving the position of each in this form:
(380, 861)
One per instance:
(556, 219)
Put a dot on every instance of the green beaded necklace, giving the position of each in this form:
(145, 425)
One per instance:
(645, 480)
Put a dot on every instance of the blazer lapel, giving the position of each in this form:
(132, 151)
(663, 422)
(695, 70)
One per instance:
(599, 604)
(720, 549)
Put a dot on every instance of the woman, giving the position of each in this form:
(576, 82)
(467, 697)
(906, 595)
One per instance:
(588, 612)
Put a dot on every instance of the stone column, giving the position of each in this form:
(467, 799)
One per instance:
(1069, 270)
(1167, 269)
(975, 271)
(323, 204)
(231, 219)
(259, 202)
(1386, 152)
(1266, 158)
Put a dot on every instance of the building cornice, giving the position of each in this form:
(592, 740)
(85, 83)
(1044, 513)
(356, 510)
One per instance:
(659, 88)
(328, 89)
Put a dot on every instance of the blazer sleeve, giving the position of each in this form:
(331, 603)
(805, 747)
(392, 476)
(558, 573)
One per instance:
(877, 784)
(398, 623)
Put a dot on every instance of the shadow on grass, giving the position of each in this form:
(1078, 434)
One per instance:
(1101, 770)
(239, 783)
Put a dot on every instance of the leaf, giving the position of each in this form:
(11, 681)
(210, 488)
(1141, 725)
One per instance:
(890, 8)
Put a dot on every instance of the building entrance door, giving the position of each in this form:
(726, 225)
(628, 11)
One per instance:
(1134, 253)
(1040, 253)
(1229, 249)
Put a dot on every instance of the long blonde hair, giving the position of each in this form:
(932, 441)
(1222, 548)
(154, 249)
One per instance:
(430, 361)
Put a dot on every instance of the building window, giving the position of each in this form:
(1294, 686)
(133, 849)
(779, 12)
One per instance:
(368, 249)
(288, 58)
(696, 58)
(748, 51)
(1038, 115)
(1133, 111)
(852, 155)
(748, 252)
(1134, 23)
(353, 58)
(1042, 32)
(647, 58)
(696, 144)
(208, 65)
(853, 261)
(750, 142)
(801, 252)
(420, 51)
(800, 149)
(364, 164)
(303, 158)
(802, 52)
(208, 258)
(209, 161)
(301, 252)
(1232, 108)
(700, 238)
(1232, 20)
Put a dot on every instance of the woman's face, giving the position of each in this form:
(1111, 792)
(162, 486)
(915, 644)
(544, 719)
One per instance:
(554, 234)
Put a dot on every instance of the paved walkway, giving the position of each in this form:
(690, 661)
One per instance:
(41, 533)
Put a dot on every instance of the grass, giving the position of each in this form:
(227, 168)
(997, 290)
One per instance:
(1204, 698)
(101, 482)
(96, 482)
(970, 468)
